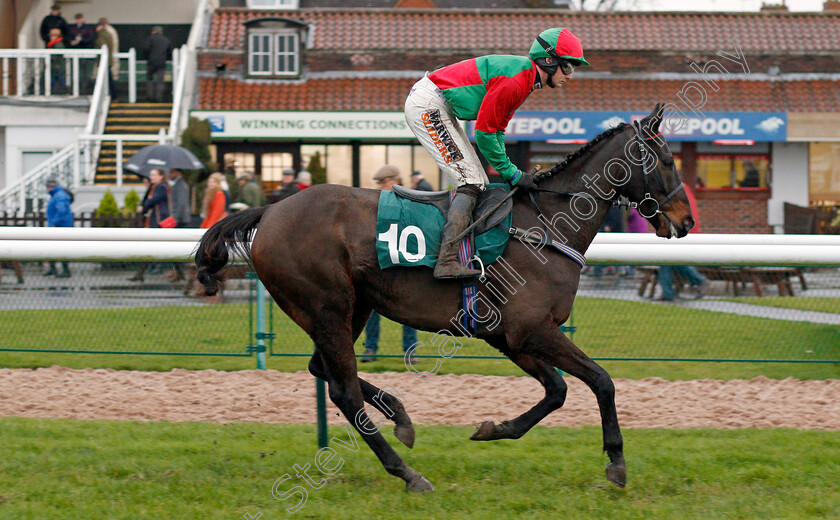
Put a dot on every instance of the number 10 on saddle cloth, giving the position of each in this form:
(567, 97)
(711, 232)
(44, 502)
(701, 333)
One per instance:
(408, 234)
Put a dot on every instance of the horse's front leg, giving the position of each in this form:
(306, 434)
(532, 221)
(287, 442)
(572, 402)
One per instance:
(553, 347)
(555, 396)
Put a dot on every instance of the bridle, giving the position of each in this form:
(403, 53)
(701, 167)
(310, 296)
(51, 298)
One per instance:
(543, 237)
(653, 203)
(647, 200)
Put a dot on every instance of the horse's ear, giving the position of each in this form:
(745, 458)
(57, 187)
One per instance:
(655, 118)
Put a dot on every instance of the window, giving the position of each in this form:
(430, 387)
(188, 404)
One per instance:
(336, 160)
(273, 4)
(273, 53)
(405, 157)
(824, 172)
(237, 163)
(272, 167)
(733, 171)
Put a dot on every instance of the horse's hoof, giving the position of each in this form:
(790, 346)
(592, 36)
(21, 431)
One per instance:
(486, 431)
(419, 484)
(617, 473)
(405, 434)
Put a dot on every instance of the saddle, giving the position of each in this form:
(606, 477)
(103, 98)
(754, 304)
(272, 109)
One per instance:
(489, 198)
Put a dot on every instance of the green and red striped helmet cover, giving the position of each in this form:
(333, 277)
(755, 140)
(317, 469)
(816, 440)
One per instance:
(565, 44)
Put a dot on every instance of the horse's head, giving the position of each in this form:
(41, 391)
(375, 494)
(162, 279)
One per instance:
(654, 181)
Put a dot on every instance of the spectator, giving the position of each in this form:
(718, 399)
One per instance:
(181, 212)
(54, 20)
(57, 77)
(386, 177)
(141, 268)
(81, 36)
(157, 49)
(157, 205)
(304, 179)
(213, 205)
(289, 187)
(249, 191)
(752, 179)
(59, 214)
(180, 198)
(613, 223)
(689, 273)
(419, 183)
(106, 35)
(223, 183)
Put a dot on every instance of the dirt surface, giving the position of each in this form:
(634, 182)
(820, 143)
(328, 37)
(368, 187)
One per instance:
(278, 397)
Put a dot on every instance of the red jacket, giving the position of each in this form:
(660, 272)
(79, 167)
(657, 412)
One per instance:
(692, 202)
(216, 212)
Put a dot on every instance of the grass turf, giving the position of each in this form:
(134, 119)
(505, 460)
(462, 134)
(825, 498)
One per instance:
(605, 329)
(830, 305)
(64, 469)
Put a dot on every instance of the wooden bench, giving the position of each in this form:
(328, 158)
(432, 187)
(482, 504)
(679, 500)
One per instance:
(779, 276)
(13, 265)
(738, 277)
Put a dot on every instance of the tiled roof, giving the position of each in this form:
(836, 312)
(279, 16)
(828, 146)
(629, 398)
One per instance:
(514, 30)
(581, 94)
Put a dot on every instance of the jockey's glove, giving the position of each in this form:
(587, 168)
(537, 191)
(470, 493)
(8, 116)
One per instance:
(526, 181)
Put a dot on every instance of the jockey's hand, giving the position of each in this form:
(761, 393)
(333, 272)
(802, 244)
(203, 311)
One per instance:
(526, 181)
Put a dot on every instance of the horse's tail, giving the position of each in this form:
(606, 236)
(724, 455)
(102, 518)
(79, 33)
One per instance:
(232, 232)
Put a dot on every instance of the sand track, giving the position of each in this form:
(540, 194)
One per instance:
(278, 397)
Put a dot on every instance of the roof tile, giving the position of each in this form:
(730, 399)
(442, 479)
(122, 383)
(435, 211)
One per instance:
(581, 94)
(513, 31)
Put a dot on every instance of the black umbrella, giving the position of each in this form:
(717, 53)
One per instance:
(164, 156)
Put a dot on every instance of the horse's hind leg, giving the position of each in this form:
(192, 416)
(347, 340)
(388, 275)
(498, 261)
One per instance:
(390, 406)
(336, 350)
(553, 347)
(555, 396)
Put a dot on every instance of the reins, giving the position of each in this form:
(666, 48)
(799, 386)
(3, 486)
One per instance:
(544, 238)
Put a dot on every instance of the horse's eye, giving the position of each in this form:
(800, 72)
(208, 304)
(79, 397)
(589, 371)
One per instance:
(667, 162)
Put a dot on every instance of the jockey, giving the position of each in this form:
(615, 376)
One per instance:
(488, 90)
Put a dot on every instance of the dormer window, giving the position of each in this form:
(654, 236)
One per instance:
(274, 47)
(273, 53)
(273, 4)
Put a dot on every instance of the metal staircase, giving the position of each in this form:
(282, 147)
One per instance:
(135, 119)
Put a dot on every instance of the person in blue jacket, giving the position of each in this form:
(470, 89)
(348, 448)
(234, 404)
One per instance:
(59, 214)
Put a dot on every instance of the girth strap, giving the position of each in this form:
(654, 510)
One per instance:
(546, 240)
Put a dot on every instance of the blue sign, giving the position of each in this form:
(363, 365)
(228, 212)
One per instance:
(583, 126)
(217, 124)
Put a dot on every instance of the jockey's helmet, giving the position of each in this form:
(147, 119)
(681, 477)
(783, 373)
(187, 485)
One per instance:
(560, 44)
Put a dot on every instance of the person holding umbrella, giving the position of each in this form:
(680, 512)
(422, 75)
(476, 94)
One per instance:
(164, 156)
(157, 205)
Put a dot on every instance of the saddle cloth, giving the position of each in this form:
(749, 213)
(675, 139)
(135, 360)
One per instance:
(409, 224)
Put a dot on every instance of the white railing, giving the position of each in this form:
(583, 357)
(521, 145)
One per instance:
(179, 85)
(96, 140)
(184, 76)
(35, 71)
(65, 165)
(97, 244)
(131, 58)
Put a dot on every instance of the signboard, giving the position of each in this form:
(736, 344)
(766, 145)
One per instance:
(305, 125)
(583, 126)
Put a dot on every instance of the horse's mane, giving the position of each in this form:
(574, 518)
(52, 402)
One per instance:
(585, 149)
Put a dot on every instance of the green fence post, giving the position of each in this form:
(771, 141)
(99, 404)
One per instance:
(261, 335)
(321, 397)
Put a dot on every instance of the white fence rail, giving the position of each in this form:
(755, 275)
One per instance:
(48, 72)
(178, 245)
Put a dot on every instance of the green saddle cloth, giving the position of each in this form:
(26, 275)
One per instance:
(408, 234)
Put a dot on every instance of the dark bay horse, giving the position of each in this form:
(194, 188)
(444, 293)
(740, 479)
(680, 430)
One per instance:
(316, 254)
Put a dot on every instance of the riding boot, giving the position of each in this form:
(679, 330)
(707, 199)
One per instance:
(460, 214)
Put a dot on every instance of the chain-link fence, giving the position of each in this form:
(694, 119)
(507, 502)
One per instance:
(743, 313)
